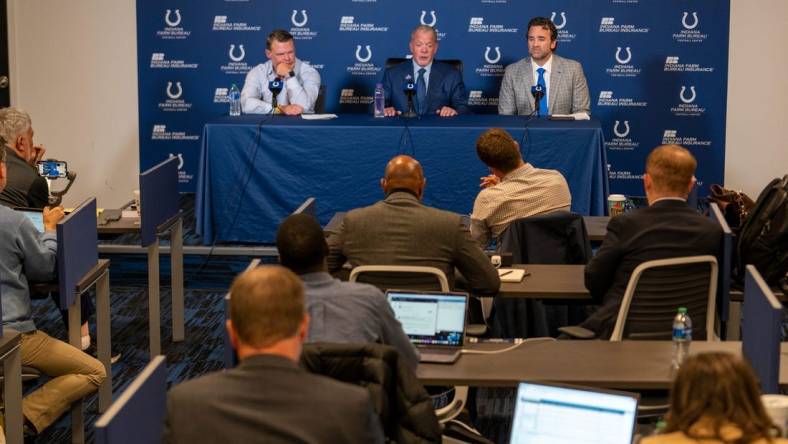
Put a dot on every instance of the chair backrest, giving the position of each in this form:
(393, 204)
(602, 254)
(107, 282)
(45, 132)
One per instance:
(394, 61)
(403, 277)
(655, 291)
(320, 102)
(309, 206)
(138, 413)
(559, 237)
(761, 330)
(726, 262)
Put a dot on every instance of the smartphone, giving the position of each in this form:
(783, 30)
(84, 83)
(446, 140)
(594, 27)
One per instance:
(52, 168)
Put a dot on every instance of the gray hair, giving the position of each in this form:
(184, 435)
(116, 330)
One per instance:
(425, 28)
(13, 122)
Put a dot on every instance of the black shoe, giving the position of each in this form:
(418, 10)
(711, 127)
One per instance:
(93, 351)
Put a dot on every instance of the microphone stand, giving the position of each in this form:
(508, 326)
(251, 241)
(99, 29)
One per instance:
(410, 113)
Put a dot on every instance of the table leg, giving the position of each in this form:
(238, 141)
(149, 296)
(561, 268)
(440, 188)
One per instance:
(103, 339)
(176, 264)
(12, 394)
(75, 339)
(154, 309)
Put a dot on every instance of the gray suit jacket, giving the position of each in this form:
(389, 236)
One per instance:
(400, 230)
(567, 92)
(269, 399)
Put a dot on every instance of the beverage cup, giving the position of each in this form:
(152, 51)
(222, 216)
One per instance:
(616, 204)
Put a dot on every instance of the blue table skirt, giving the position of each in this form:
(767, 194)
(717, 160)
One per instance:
(255, 170)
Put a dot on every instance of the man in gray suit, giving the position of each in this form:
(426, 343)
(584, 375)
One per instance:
(268, 398)
(401, 230)
(566, 89)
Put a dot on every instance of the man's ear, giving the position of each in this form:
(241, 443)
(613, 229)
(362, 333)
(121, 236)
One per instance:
(228, 325)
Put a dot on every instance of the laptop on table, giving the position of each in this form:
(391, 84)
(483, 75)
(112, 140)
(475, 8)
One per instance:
(562, 414)
(36, 215)
(434, 322)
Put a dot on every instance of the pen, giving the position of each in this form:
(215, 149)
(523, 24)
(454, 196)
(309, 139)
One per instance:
(505, 273)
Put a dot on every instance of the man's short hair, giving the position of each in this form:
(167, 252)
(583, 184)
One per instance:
(2, 150)
(266, 305)
(279, 35)
(301, 243)
(497, 149)
(671, 168)
(13, 122)
(424, 28)
(544, 23)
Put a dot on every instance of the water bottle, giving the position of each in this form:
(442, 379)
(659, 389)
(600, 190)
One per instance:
(380, 100)
(235, 101)
(682, 336)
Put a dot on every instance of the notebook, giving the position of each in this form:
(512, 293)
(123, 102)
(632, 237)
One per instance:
(434, 322)
(562, 414)
(511, 274)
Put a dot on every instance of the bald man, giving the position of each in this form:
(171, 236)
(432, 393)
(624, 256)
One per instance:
(401, 230)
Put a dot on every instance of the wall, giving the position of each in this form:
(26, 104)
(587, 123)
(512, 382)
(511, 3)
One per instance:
(756, 142)
(73, 67)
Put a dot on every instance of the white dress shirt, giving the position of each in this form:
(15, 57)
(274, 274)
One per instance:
(548, 69)
(302, 89)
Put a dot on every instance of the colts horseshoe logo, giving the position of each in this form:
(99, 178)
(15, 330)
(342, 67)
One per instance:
(172, 23)
(180, 159)
(302, 22)
(563, 20)
(432, 14)
(618, 133)
(618, 55)
(358, 54)
(172, 95)
(487, 55)
(684, 99)
(684, 20)
(238, 58)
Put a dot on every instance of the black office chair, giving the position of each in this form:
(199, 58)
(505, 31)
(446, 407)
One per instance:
(555, 238)
(320, 102)
(394, 61)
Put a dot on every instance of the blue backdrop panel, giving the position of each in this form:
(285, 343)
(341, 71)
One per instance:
(761, 330)
(158, 198)
(137, 416)
(277, 165)
(77, 249)
(657, 70)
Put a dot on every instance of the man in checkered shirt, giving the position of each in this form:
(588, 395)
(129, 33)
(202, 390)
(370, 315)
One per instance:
(514, 190)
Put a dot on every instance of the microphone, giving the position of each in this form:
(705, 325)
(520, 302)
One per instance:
(538, 92)
(275, 86)
(409, 88)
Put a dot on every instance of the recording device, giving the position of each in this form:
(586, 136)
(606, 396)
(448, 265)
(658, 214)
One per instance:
(409, 88)
(52, 169)
(538, 92)
(275, 86)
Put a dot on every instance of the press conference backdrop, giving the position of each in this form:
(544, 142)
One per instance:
(657, 70)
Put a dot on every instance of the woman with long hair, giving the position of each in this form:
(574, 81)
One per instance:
(716, 399)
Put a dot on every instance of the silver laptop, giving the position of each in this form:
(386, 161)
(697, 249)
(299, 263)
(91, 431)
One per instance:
(434, 322)
(35, 215)
(562, 414)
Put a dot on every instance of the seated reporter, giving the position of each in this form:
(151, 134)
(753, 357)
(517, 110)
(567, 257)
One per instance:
(715, 399)
(439, 87)
(26, 254)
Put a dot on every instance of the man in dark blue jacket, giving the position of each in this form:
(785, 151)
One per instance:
(439, 86)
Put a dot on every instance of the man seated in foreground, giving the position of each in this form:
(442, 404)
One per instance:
(339, 311)
(268, 397)
(400, 230)
(515, 189)
(26, 254)
(666, 228)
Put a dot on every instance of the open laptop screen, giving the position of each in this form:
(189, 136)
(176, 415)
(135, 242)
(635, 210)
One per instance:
(430, 318)
(556, 414)
(35, 216)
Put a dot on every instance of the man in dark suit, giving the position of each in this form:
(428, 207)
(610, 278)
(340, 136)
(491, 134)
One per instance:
(25, 187)
(439, 87)
(268, 397)
(667, 228)
(400, 230)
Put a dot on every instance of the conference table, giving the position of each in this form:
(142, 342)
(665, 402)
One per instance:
(255, 170)
(632, 365)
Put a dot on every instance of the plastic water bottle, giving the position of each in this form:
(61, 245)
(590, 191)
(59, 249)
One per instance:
(235, 101)
(380, 100)
(682, 336)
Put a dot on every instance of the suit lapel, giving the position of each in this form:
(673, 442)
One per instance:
(555, 80)
(529, 82)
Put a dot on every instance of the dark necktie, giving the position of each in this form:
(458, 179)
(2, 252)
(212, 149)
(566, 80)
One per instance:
(421, 92)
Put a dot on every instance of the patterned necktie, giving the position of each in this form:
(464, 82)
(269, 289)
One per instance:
(543, 100)
(421, 93)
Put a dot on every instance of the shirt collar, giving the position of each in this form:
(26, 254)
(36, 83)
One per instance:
(679, 199)
(417, 67)
(548, 66)
(317, 278)
(517, 172)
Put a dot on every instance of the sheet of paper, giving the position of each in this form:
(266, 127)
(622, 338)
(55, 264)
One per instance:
(511, 274)
(576, 116)
(318, 116)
